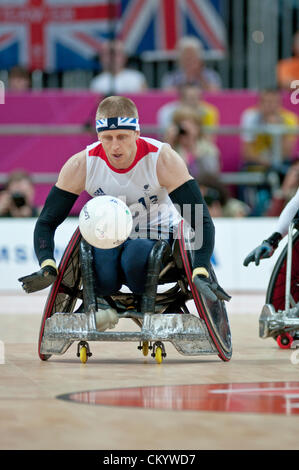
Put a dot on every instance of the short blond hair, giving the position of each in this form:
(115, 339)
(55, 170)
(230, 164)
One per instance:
(116, 106)
(186, 113)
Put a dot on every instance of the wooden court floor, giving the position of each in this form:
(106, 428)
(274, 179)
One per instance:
(32, 417)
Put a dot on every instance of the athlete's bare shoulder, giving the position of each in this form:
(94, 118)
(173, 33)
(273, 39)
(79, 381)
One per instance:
(73, 174)
(172, 171)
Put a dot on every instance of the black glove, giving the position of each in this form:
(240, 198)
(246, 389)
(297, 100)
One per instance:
(264, 250)
(210, 289)
(40, 279)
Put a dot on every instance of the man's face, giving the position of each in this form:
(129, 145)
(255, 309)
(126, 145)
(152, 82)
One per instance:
(120, 146)
(189, 59)
(191, 95)
(113, 57)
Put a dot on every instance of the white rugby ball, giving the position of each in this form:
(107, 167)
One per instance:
(105, 222)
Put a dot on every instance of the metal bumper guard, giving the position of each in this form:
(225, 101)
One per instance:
(187, 333)
(272, 323)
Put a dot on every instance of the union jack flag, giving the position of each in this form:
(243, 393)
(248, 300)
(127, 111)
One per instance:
(151, 25)
(66, 34)
(54, 34)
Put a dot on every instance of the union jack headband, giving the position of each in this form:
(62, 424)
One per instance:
(110, 124)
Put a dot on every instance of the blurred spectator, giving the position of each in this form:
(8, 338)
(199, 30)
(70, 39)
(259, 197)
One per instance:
(257, 148)
(19, 79)
(189, 94)
(219, 200)
(115, 77)
(16, 200)
(186, 137)
(287, 190)
(191, 68)
(288, 69)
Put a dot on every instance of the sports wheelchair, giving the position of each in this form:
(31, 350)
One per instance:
(279, 318)
(161, 316)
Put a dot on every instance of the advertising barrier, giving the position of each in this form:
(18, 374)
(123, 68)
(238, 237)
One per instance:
(234, 239)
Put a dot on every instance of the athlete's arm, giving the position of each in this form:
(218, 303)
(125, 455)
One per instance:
(268, 246)
(287, 215)
(173, 174)
(61, 198)
(70, 183)
(72, 175)
(172, 171)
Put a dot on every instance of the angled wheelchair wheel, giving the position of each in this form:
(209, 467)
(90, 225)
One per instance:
(276, 288)
(65, 291)
(212, 313)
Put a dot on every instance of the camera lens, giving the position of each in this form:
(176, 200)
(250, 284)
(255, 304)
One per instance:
(181, 130)
(18, 199)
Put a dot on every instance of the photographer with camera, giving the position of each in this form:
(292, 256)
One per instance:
(16, 199)
(186, 136)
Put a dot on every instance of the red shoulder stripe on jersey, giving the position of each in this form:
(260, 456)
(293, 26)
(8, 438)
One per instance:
(96, 151)
(143, 149)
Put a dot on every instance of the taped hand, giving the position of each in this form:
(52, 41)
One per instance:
(40, 279)
(210, 289)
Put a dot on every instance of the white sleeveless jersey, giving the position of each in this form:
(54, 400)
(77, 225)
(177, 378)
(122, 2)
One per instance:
(154, 215)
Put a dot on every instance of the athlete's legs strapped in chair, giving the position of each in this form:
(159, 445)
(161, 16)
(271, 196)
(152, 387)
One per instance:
(126, 264)
(159, 251)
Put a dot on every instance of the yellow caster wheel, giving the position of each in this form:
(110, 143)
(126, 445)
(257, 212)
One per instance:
(158, 352)
(145, 348)
(83, 355)
(159, 355)
(83, 351)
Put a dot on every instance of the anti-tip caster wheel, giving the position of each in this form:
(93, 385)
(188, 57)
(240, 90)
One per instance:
(144, 347)
(284, 340)
(83, 355)
(159, 352)
(159, 355)
(83, 351)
